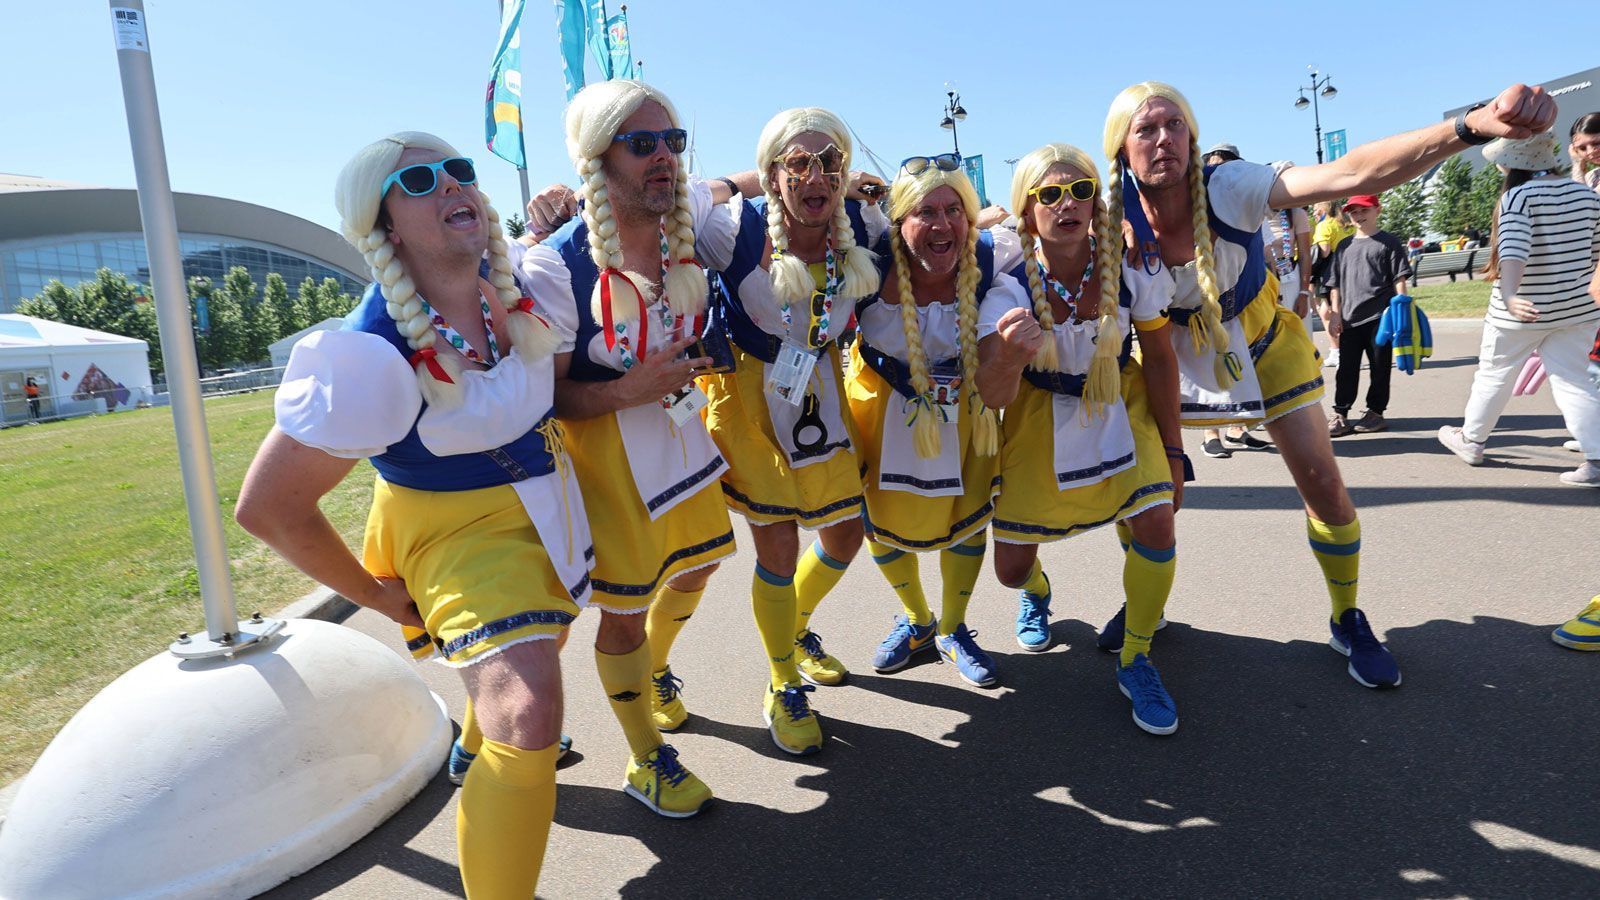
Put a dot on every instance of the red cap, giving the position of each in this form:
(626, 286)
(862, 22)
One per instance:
(1362, 200)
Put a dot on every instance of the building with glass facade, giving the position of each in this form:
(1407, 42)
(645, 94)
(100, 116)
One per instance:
(52, 230)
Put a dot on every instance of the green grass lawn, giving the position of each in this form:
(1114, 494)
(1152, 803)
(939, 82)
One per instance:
(96, 567)
(1453, 299)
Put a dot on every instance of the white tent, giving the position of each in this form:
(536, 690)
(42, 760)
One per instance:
(280, 348)
(78, 370)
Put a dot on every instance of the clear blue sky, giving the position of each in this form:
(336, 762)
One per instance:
(264, 102)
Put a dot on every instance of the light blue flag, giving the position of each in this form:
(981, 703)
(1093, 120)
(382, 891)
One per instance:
(503, 103)
(599, 40)
(621, 46)
(974, 167)
(573, 28)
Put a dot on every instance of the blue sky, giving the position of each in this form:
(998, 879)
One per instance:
(264, 102)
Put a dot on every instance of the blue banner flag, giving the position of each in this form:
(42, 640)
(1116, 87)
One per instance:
(573, 28)
(1335, 144)
(594, 19)
(974, 167)
(503, 105)
(621, 46)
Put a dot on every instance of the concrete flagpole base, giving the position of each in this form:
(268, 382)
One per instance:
(224, 777)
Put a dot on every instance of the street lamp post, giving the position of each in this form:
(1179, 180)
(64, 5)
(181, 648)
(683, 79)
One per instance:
(953, 113)
(1325, 87)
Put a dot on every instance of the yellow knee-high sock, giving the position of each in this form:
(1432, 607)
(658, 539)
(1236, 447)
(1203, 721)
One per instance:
(667, 616)
(1338, 551)
(813, 579)
(625, 677)
(503, 821)
(772, 601)
(1036, 585)
(471, 734)
(1125, 535)
(900, 568)
(959, 567)
(1146, 582)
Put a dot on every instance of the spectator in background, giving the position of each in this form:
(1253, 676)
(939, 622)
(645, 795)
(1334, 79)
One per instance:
(1333, 228)
(1366, 272)
(32, 390)
(1585, 149)
(1546, 290)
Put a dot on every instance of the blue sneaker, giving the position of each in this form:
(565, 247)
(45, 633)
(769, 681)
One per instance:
(905, 640)
(1110, 639)
(1371, 665)
(973, 665)
(460, 760)
(1033, 620)
(1153, 709)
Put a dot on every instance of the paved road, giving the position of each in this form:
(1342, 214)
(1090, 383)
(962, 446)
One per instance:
(1475, 778)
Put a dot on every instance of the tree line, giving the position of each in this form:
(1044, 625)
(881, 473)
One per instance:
(240, 321)
(1458, 202)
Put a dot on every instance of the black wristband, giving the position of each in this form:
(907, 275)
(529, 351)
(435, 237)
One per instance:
(731, 186)
(1467, 135)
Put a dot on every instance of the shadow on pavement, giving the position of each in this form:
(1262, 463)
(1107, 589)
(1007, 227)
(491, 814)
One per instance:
(1287, 778)
(1198, 496)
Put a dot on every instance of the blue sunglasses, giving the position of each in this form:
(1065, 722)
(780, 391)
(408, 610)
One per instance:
(944, 162)
(421, 179)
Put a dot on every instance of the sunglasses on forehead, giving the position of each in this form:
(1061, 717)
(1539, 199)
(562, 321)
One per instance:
(1081, 190)
(944, 162)
(798, 162)
(643, 143)
(421, 179)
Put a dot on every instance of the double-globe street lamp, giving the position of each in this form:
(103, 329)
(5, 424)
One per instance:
(953, 113)
(1323, 86)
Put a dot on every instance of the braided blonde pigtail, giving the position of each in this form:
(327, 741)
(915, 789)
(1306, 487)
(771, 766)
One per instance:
(791, 278)
(858, 266)
(1047, 359)
(1104, 383)
(925, 431)
(405, 307)
(986, 425)
(1205, 328)
(605, 248)
(531, 335)
(684, 280)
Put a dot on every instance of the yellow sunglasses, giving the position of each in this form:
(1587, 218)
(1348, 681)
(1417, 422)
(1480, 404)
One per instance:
(1082, 190)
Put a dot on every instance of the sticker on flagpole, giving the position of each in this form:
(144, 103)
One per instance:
(129, 26)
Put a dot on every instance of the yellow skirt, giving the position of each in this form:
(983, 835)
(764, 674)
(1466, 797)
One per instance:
(473, 563)
(1032, 510)
(634, 554)
(901, 519)
(760, 484)
(1289, 367)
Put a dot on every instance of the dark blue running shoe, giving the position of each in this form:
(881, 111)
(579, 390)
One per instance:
(1371, 664)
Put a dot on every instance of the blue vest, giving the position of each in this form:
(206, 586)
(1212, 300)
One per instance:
(1251, 278)
(748, 251)
(410, 464)
(571, 241)
(1062, 382)
(892, 370)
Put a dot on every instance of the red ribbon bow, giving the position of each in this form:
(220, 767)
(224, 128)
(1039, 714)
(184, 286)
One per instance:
(430, 358)
(608, 322)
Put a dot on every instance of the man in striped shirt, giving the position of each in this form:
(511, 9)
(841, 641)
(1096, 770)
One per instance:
(1547, 242)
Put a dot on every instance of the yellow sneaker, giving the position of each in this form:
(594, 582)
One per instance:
(816, 666)
(666, 709)
(1583, 631)
(794, 726)
(660, 782)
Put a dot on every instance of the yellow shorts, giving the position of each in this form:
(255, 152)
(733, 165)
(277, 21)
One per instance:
(759, 484)
(1031, 510)
(634, 554)
(901, 519)
(473, 563)
(1289, 368)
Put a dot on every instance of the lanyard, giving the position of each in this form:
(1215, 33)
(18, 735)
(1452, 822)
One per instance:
(821, 307)
(616, 333)
(1067, 296)
(454, 337)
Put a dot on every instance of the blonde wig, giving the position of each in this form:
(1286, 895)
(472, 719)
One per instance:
(1205, 329)
(359, 200)
(1104, 379)
(904, 195)
(593, 118)
(791, 279)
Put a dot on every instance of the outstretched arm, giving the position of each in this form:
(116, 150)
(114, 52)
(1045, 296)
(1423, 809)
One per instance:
(1518, 112)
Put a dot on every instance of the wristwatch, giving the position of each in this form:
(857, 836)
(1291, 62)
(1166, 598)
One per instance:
(1467, 135)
